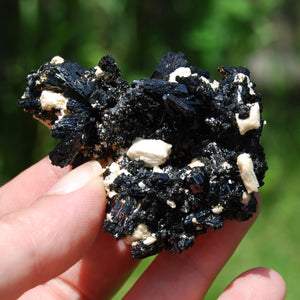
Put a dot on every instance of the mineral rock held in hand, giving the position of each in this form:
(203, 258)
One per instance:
(181, 152)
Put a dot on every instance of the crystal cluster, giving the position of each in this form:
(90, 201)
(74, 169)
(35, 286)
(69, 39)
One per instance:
(180, 152)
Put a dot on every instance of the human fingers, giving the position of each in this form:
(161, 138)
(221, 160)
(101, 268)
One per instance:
(43, 240)
(102, 270)
(258, 283)
(190, 274)
(98, 274)
(29, 185)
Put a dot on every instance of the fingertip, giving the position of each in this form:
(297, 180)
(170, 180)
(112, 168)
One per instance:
(77, 178)
(278, 283)
(257, 283)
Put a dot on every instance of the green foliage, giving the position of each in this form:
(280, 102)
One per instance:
(228, 30)
(261, 34)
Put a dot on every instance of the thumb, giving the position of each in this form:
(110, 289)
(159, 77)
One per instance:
(41, 241)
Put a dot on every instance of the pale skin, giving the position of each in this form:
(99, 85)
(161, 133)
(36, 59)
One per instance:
(52, 246)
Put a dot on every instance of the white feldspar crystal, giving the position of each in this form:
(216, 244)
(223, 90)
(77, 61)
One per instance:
(51, 100)
(240, 77)
(56, 60)
(217, 209)
(142, 185)
(196, 162)
(226, 165)
(245, 198)
(181, 72)
(98, 71)
(115, 171)
(152, 152)
(157, 169)
(171, 203)
(214, 85)
(239, 94)
(252, 122)
(248, 176)
(141, 233)
(109, 217)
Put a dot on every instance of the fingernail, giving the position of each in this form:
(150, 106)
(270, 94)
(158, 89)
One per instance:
(77, 178)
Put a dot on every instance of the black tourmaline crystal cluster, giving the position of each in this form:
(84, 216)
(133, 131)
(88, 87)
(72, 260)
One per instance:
(180, 152)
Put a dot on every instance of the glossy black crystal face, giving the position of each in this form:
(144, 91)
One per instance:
(180, 152)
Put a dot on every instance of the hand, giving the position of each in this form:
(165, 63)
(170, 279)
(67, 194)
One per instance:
(52, 246)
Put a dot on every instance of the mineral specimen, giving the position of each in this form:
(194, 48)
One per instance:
(181, 152)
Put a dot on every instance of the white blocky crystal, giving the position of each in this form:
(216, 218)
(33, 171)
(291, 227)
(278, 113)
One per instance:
(141, 232)
(171, 203)
(115, 170)
(240, 77)
(196, 162)
(51, 100)
(245, 198)
(226, 165)
(214, 85)
(217, 209)
(98, 71)
(181, 72)
(248, 176)
(152, 152)
(252, 122)
(57, 60)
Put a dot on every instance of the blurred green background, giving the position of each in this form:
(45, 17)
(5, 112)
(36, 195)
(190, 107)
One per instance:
(263, 35)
